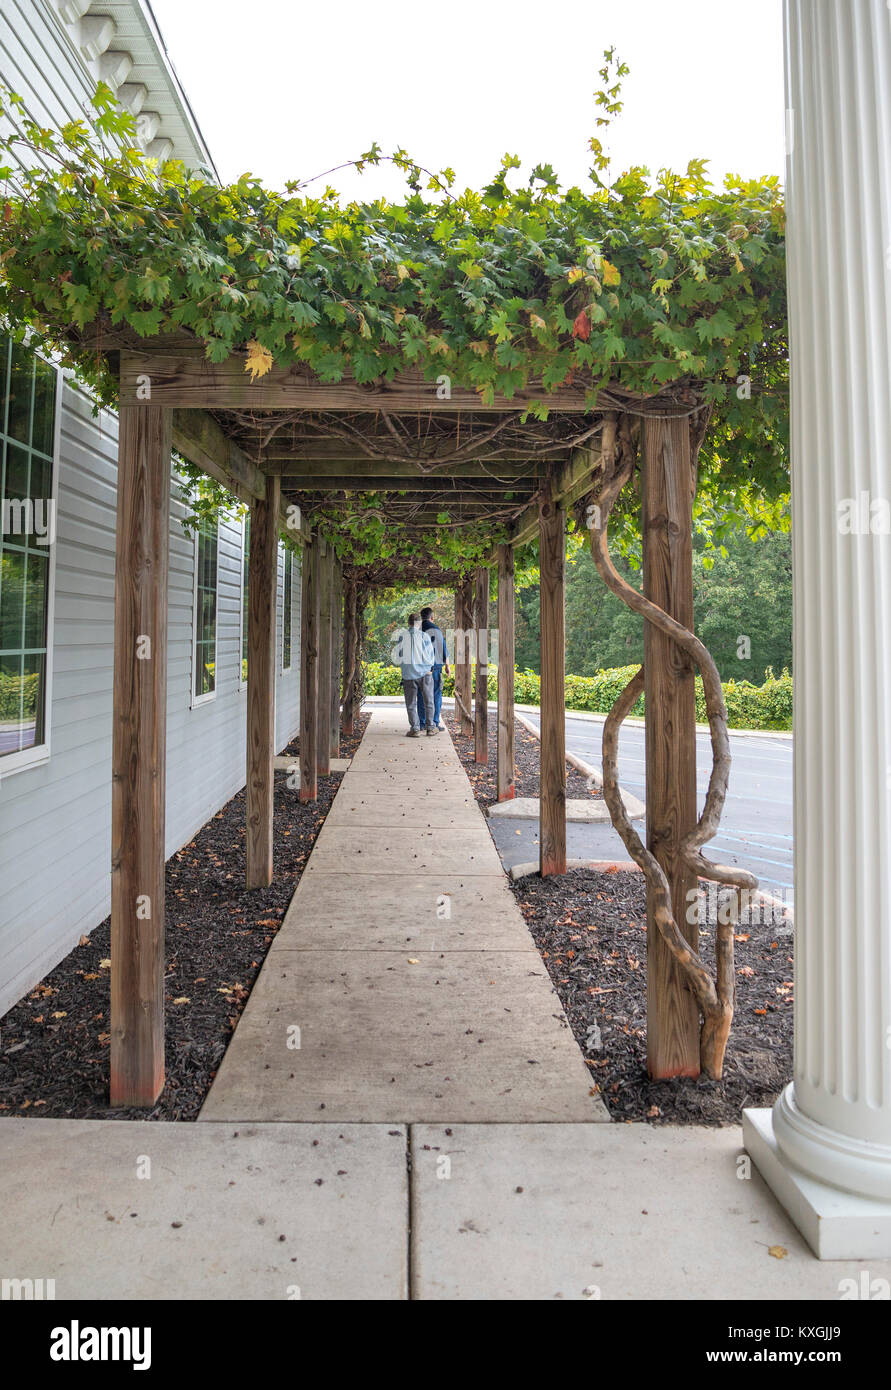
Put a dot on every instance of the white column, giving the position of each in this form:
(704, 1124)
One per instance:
(830, 1133)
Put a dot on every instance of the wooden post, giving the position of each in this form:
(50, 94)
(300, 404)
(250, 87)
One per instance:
(506, 767)
(309, 671)
(481, 627)
(323, 730)
(262, 587)
(350, 656)
(670, 701)
(552, 787)
(336, 639)
(139, 737)
(463, 652)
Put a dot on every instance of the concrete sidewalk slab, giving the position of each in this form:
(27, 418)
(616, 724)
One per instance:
(450, 1035)
(410, 914)
(408, 849)
(526, 1212)
(396, 1010)
(529, 808)
(445, 812)
(220, 1212)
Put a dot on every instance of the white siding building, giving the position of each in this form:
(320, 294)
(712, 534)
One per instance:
(57, 600)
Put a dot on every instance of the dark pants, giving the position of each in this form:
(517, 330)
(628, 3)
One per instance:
(437, 698)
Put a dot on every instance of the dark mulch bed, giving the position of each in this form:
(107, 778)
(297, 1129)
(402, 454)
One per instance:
(54, 1052)
(590, 928)
(527, 754)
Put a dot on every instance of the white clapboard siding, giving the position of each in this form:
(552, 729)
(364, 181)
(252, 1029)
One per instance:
(55, 819)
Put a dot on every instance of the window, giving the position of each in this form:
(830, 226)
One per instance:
(205, 662)
(28, 398)
(287, 605)
(245, 556)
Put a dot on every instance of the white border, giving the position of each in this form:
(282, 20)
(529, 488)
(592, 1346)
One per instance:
(40, 753)
(196, 700)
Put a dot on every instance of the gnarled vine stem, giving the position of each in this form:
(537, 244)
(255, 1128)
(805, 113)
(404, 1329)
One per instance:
(715, 997)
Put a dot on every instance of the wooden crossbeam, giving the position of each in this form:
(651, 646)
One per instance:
(570, 482)
(331, 458)
(184, 378)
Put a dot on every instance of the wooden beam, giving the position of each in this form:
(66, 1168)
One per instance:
(481, 703)
(323, 730)
(183, 378)
(336, 653)
(552, 782)
(350, 656)
(464, 650)
(570, 481)
(670, 712)
(330, 459)
(201, 440)
(309, 672)
(262, 589)
(138, 755)
(414, 491)
(506, 763)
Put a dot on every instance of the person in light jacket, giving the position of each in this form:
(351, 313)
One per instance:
(414, 656)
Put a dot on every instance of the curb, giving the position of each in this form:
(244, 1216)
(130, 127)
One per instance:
(636, 809)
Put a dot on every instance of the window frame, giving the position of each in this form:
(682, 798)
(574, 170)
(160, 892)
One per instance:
(197, 700)
(40, 753)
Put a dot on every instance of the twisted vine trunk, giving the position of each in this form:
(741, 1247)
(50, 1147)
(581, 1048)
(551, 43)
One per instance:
(714, 996)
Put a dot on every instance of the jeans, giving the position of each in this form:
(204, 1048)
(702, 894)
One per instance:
(418, 693)
(436, 673)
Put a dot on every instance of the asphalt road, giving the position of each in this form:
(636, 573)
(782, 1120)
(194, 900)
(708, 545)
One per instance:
(756, 828)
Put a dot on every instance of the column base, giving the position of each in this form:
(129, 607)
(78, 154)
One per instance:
(837, 1225)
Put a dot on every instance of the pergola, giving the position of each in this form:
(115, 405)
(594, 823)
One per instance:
(292, 447)
(287, 437)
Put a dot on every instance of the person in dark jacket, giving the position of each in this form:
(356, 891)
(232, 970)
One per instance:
(440, 664)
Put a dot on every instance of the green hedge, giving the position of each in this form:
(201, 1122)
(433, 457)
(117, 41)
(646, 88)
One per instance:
(767, 706)
(11, 690)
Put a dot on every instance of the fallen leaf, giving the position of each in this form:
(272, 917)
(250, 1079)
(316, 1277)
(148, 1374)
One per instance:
(183, 999)
(105, 964)
(779, 1252)
(413, 961)
(62, 1014)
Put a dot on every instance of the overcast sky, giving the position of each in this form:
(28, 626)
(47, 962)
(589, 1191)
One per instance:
(286, 90)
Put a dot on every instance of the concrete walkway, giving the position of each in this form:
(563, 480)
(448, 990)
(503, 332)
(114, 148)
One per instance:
(403, 985)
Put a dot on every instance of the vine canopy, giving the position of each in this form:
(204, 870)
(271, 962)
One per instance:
(648, 283)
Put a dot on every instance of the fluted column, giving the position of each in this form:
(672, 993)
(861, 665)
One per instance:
(833, 1123)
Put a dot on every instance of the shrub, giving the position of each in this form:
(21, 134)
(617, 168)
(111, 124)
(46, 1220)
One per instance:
(767, 706)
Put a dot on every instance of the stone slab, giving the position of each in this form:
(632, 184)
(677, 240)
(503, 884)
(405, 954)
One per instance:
(458, 1035)
(528, 808)
(443, 911)
(450, 810)
(604, 1212)
(208, 1221)
(407, 849)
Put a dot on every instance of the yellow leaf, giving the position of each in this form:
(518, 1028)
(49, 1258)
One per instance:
(611, 276)
(413, 961)
(536, 320)
(105, 964)
(398, 313)
(779, 1252)
(402, 271)
(183, 999)
(63, 1014)
(575, 274)
(259, 359)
